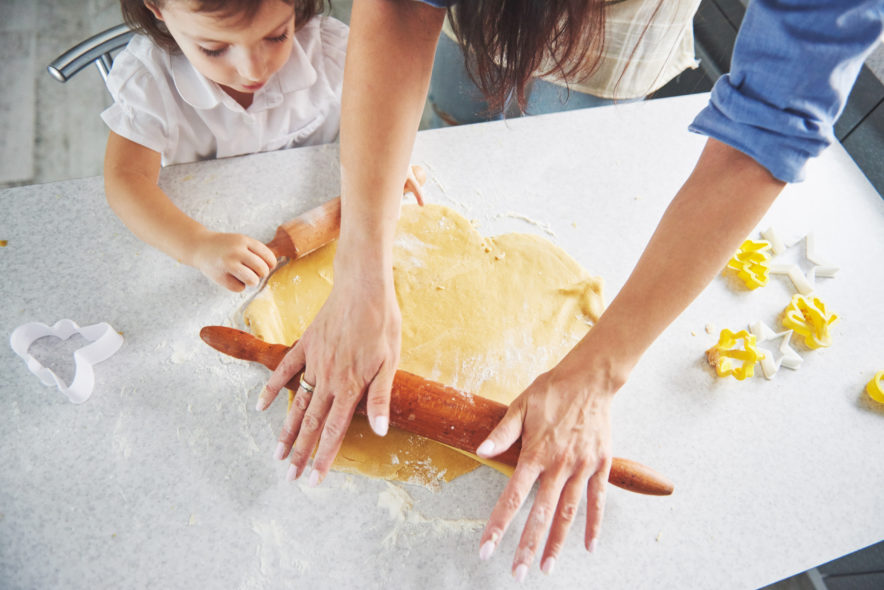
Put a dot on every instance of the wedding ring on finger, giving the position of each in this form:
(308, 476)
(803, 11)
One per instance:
(306, 386)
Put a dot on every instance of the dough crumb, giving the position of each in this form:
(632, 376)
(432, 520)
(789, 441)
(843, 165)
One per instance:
(710, 328)
(693, 333)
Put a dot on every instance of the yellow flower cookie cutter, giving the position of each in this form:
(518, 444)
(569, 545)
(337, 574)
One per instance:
(807, 315)
(722, 355)
(875, 387)
(751, 262)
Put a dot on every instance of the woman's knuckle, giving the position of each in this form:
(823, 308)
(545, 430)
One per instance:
(512, 501)
(542, 513)
(334, 429)
(553, 548)
(301, 402)
(585, 465)
(568, 512)
(310, 423)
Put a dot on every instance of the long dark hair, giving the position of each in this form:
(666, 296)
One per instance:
(507, 42)
(141, 19)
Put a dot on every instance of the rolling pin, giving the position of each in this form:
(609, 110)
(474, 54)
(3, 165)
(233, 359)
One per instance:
(433, 410)
(321, 225)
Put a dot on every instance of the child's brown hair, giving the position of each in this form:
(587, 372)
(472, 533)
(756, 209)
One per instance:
(141, 19)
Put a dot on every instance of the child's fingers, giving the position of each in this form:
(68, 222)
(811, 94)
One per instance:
(245, 275)
(257, 264)
(265, 253)
(229, 282)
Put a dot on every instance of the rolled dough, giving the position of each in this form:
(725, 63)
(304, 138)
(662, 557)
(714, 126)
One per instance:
(484, 315)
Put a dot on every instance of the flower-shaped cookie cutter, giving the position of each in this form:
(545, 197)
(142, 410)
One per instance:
(722, 355)
(808, 316)
(875, 387)
(104, 341)
(751, 262)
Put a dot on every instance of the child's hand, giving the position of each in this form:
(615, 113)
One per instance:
(234, 261)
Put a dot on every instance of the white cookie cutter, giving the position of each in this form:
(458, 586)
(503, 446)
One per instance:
(104, 341)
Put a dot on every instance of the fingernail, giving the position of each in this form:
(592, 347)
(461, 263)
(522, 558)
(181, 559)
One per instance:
(485, 449)
(314, 479)
(486, 550)
(380, 425)
(593, 545)
(292, 473)
(548, 565)
(262, 400)
(279, 453)
(521, 572)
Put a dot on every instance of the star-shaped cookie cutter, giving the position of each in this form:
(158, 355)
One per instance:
(776, 348)
(722, 355)
(751, 262)
(104, 341)
(810, 319)
(804, 282)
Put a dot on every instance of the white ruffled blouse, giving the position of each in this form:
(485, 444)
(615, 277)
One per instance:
(163, 103)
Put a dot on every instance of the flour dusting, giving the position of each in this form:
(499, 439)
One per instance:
(400, 507)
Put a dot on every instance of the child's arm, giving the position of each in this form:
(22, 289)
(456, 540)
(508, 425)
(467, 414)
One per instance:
(130, 182)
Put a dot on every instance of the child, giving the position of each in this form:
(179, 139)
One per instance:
(210, 79)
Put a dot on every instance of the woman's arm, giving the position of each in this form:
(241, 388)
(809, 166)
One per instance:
(352, 347)
(563, 417)
(130, 181)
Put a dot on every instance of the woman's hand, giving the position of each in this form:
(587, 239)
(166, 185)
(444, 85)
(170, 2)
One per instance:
(564, 421)
(234, 261)
(350, 349)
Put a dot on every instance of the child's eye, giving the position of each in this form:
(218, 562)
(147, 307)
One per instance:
(279, 39)
(212, 52)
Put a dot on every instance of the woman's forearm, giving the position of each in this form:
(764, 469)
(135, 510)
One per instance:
(714, 211)
(389, 60)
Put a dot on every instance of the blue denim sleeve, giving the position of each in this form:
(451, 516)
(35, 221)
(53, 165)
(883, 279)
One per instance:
(438, 3)
(794, 64)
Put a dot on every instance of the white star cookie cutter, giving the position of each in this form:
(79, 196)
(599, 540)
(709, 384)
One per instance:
(776, 348)
(804, 283)
(104, 341)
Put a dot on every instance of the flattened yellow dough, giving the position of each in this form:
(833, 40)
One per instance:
(484, 315)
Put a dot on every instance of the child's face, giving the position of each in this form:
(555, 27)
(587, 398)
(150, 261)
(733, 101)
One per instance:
(237, 54)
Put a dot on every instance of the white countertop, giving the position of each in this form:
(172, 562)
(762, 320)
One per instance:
(164, 478)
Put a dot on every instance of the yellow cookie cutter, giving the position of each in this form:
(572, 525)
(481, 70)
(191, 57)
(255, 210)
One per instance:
(751, 263)
(875, 387)
(722, 355)
(807, 315)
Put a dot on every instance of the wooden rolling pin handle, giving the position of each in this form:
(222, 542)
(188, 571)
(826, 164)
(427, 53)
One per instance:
(433, 410)
(308, 232)
(320, 225)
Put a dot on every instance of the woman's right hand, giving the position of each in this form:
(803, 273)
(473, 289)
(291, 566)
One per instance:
(351, 349)
(234, 261)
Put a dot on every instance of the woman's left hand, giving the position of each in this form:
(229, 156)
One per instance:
(563, 418)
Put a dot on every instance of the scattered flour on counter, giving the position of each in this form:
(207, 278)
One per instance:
(349, 484)
(120, 441)
(182, 352)
(544, 226)
(274, 553)
(400, 506)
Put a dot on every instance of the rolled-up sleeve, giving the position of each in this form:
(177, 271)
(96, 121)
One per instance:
(794, 64)
(437, 3)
